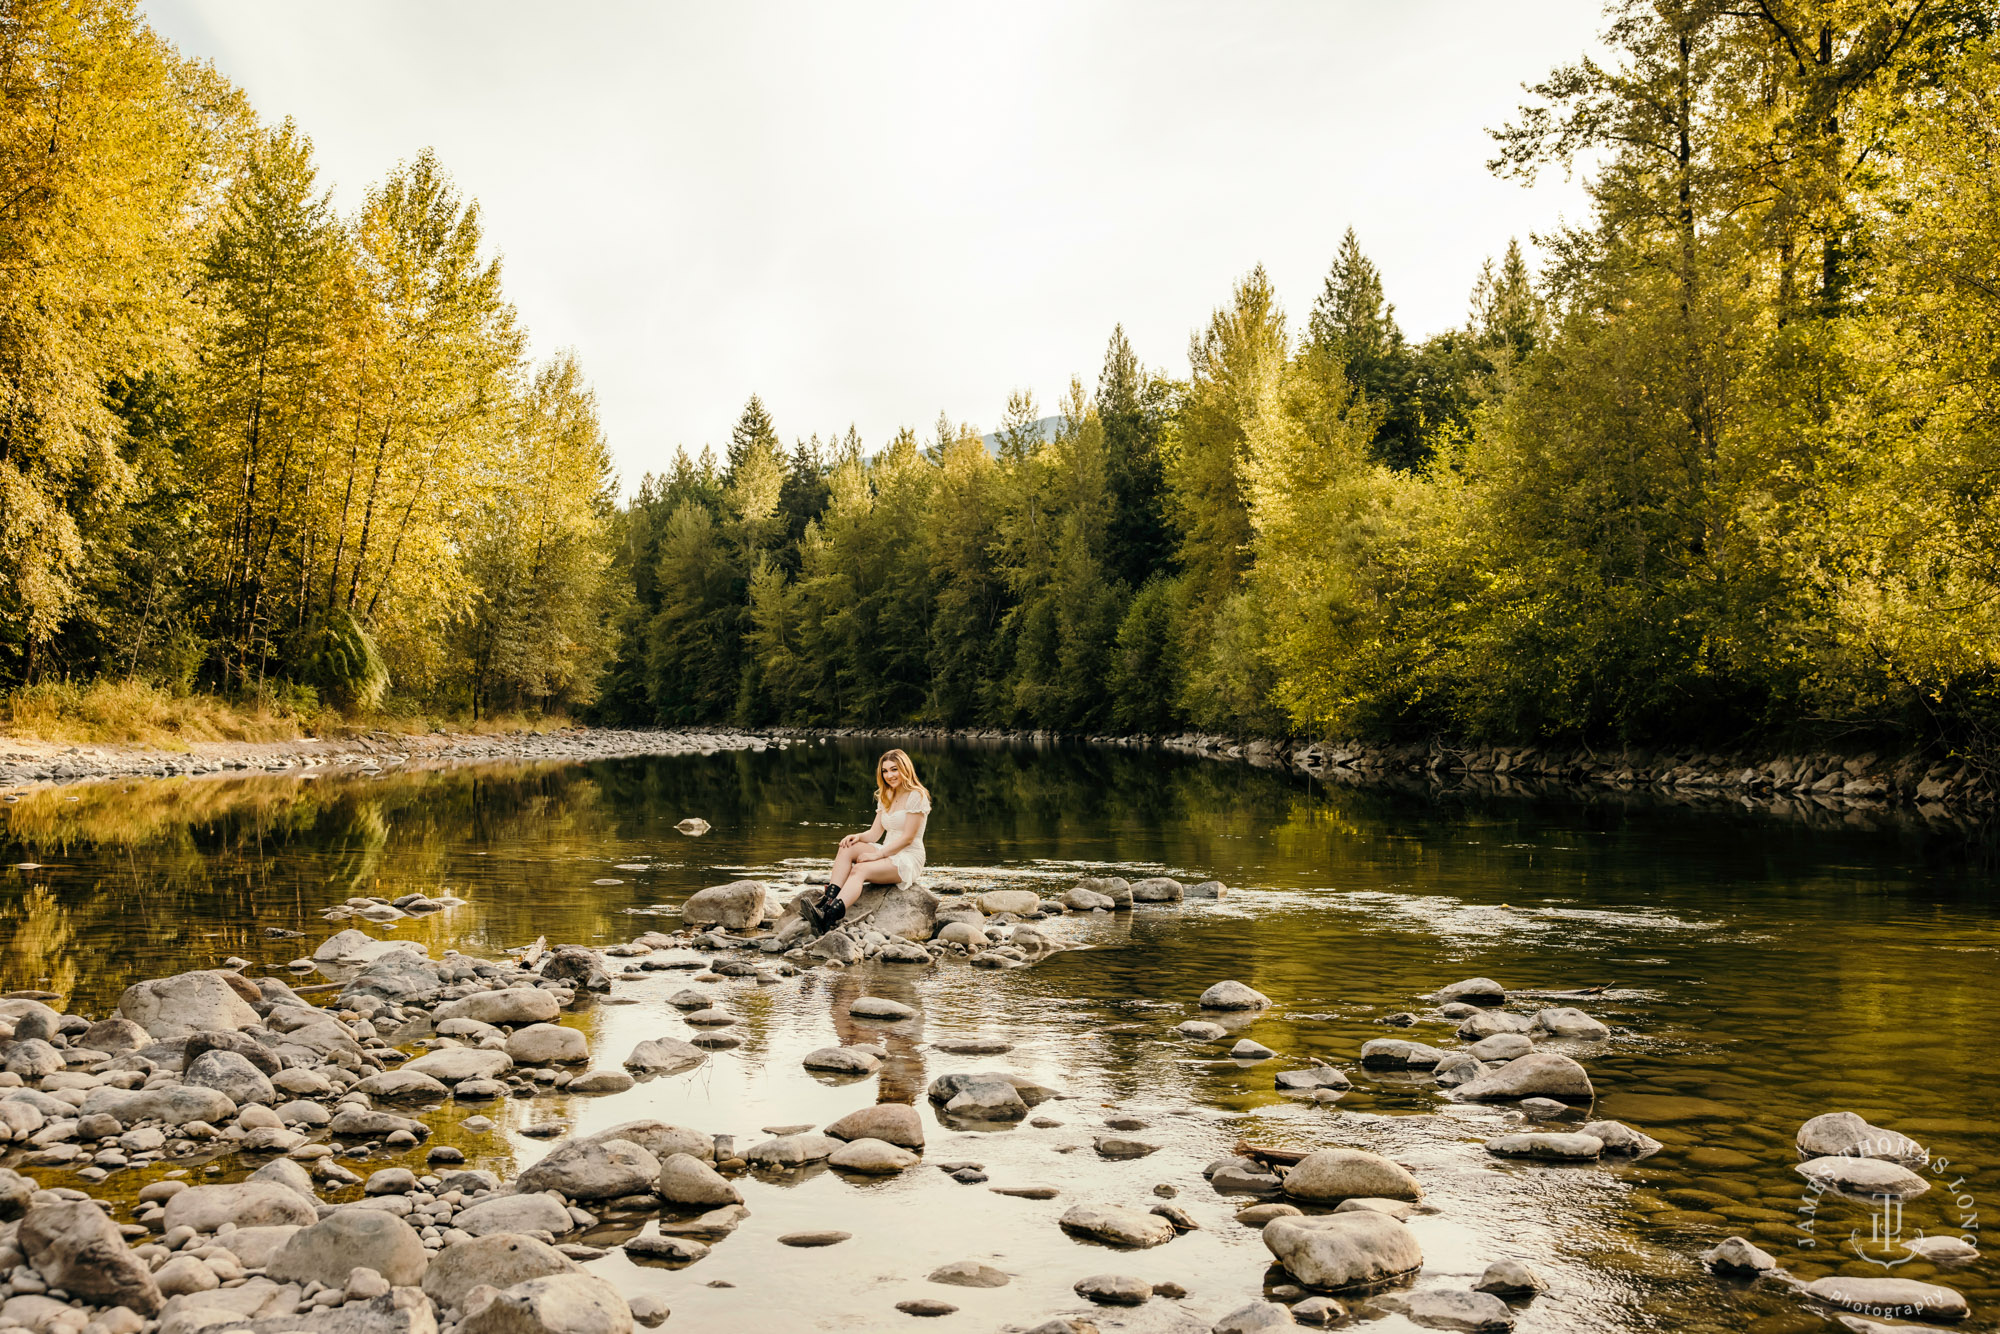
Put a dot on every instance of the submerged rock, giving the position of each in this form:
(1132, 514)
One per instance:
(1450, 1308)
(664, 1056)
(1898, 1298)
(1550, 1147)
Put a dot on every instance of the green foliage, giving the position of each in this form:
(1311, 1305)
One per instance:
(245, 441)
(338, 659)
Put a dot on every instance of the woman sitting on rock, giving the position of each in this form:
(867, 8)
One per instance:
(888, 852)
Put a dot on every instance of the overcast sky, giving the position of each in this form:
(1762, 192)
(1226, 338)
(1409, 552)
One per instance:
(871, 213)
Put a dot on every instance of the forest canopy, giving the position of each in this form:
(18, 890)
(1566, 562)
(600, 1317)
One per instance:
(1720, 464)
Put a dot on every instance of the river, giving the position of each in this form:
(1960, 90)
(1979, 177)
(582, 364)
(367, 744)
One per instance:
(1760, 972)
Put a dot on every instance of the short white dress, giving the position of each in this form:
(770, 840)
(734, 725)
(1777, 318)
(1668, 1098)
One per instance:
(909, 863)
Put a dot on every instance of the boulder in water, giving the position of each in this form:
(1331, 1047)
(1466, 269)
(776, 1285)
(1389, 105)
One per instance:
(1343, 1250)
(1233, 996)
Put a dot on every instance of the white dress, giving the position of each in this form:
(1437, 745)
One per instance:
(909, 863)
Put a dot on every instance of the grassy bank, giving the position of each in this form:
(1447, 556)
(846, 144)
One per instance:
(134, 713)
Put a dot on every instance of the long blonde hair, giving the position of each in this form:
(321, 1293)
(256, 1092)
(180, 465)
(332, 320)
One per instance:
(910, 784)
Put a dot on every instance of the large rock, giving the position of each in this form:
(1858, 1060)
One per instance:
(548, 1044)
(1343, 1250)
(1566, 1021)
(1472, 991)
(1080, 899)
(895, 1122)
(686, 1180)
(371, 1124)
(399, 1311)
(114, 1035)
(1491, 1023)
(1539, 1074)
(1116, 1225)
(244, 1204)
(843, 1060)
(664, 1056)
(1020, 902)
(397, 975)
(348, 1240)
(341, 944)
(988, 1100)
(174, 1104)
(1863, 1176)
(232, 1076)
(738, 905)
(403, 1086)
(1904, 1298)
(1233, 996)
(581, 968)
(243, 1044)
(557, 1304)
(595, 1169)
(875, 1156)
(514, 1213)
(792, 1150)
(512, 1005)
(174, 1007)
(661, 1140)
(77, 1248)
(1328, 1176)
(1845, 1135)
(499, 1259)
(1399, 1054)
(32, 1059)
(1158, 889)
(905, 912)
(289, 1174)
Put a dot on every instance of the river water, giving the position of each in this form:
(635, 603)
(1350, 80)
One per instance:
(1760, 973)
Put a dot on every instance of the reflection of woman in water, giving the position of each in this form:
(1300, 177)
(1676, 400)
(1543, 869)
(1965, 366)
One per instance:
(888, 852)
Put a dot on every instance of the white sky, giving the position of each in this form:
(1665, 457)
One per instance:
(869, 213)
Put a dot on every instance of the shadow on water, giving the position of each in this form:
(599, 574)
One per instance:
(1764, 970)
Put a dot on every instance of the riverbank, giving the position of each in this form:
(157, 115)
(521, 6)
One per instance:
(25, 763)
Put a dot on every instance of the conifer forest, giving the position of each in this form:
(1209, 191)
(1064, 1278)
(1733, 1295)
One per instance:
(1720, 460)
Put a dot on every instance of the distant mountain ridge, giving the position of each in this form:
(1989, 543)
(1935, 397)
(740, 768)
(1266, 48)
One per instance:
(1044, 428)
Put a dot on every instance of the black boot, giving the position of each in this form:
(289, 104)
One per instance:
(809, 910)
(832, 909)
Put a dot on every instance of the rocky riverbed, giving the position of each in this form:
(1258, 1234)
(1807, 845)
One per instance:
(24, 764)
(233, 1151)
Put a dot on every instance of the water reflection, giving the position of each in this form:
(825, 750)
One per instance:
(1762, 972)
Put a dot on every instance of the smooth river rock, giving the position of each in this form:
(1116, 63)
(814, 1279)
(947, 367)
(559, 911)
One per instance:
(1472, 991)
(188, 1003)
(1843, 1135)
(1328, 1176)
(352, 1239)
(1116, 1225)
(1899, 1298)
(548, 1044)
(512, 1005)
(451, 1065)
(1399, 1054)
(499, 1260)
(1566, 1021)
(77, 1248)
(688, 1181)
(1540, 1074)
(1864, 1176)
(738, 905)
(895, 1122)
(514, 1213)
(1343, 1250)
(555, 1304)
(1450, 1308)
(1547, 1146)
(1233, 996)
(244, 1204)
(595, 1169)
(1621, 1140)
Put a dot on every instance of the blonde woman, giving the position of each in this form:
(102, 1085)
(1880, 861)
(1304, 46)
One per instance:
(888, 852)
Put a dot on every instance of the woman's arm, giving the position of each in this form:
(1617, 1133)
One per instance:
(868, 835)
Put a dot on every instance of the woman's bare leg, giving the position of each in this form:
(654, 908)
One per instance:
(881, 871)
(842, 863)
